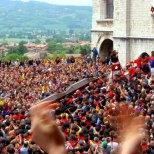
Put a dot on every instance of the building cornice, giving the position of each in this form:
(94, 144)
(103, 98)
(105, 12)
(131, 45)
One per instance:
(104, 20)
(122, 37)
(99, 30)
(133, 37)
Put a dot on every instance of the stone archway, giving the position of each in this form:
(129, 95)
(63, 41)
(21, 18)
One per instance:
(105, 49)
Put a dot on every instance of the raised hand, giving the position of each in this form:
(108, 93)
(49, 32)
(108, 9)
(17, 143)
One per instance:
(44, 129)
(130, 128)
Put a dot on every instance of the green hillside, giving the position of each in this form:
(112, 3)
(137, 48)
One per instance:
(35, 19)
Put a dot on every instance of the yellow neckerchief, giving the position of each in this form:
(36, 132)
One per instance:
(23, 76)
(43, 89)
(91, 142)
(97, 108)
(65, 115)
(79, 131)
(2, 102)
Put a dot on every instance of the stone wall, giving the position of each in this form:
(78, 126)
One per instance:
(141, 45)
(122, 46)
(96, 13)
(142, 22)
(120, 15)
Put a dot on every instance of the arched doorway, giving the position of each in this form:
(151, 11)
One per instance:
(106, 48)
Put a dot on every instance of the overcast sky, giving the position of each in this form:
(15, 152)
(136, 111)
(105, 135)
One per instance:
(67, 2)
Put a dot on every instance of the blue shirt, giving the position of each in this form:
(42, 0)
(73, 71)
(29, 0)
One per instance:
(24, 150)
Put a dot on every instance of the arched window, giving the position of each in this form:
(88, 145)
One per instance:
(109, 9)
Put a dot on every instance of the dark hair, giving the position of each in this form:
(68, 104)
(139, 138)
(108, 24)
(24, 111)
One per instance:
(26, 144)
(10, 149)
(144, 54)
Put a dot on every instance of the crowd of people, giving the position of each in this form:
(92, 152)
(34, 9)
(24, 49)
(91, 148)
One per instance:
(86, 116)
(24, 83)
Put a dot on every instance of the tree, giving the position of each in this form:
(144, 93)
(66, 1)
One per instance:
(54, 46)
(70, 50)
(14, 57)
(51, 46)
(21, 48)
(37, 41)
(84, 50)
(77, 49)
(12, 50)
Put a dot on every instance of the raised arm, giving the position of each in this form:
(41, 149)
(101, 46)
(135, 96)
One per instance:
(44, 129)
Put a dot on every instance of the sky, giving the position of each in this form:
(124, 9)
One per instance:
(67, 2)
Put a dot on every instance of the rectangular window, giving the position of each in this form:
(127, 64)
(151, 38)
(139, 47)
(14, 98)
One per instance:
(109, 9)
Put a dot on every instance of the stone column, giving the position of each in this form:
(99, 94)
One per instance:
(96, 12)
(122, 29)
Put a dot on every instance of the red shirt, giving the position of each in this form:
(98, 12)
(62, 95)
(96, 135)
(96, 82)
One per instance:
(138, 62)
(66, 133)
(73, 143)
(63, 120)
(18, 117)
(144, 147)
(88, 123)
(111, 94)
(99, 81)
(70, 101)
(116, 67)
(82, 138)
(1, 119)
(132, 71)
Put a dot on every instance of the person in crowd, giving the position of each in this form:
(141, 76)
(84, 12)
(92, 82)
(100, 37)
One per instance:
(94, 54)
(114, 56)
(24, 149)
(152, 67)
(115, 64)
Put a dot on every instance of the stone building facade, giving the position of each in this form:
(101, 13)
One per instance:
(123, 25)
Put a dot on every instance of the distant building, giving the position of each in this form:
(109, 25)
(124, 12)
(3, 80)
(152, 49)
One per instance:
(82, 43)
(124, 25)
(32, 47)
(3, 49)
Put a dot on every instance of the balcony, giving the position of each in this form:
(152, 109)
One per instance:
(105, 23)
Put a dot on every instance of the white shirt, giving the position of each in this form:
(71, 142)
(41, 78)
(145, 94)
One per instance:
(113, 145)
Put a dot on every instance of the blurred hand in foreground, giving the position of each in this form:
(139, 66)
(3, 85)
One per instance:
(45, 130)
(130, 127)
(132, 136)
